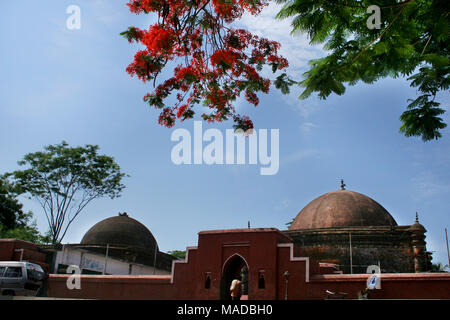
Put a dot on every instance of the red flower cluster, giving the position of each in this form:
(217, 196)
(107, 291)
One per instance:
(159, 41)
(187, 75)
(181, 110)
(230, 10)
(167, 118)
(244, 123)
(143, 66)
(139, 6)
(224, 58)
(279, 62)
(216, 98)
(219, 63)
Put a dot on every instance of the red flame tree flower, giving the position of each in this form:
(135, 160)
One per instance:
(217, 62)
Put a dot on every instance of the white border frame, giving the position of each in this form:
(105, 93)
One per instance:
(186, 260)
(234, 254)
(292, 258)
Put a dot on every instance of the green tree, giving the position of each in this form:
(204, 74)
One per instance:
(10, 207)
(439, 267)
(26, 230)
(14, 223)
(288, 224)
(179, 254)
(412, 41)
(64, 180)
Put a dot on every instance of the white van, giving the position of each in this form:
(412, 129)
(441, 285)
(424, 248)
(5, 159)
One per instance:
(18, 278)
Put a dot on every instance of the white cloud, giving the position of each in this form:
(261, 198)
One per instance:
(108, 14)
(305, 108)
(428, 185)
(284, 204)
(306, 127)
(298, 155)
(295, 48)
(52, 98)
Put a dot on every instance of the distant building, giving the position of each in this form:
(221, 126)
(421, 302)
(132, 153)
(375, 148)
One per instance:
(118, 245)
(354, 231)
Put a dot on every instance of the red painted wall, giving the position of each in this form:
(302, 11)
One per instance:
(264, 250)
(393, 286)
(9, 251)
(113, 287)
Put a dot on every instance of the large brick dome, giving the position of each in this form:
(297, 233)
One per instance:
(342, 208)
(120, 230)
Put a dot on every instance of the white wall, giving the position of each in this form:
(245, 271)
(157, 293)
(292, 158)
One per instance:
(96, 262)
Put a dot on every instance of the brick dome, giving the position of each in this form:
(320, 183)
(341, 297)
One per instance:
(120, 230)
(342, 208)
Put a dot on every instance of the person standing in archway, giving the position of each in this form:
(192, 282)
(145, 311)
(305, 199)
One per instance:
(236, 289)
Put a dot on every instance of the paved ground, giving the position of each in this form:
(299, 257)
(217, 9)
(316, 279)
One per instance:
(32, 298)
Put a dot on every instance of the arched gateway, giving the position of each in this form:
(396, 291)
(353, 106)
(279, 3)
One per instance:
(235, 267)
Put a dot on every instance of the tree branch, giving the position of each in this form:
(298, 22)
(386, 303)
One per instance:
(80, 208)
(426, 45)
(379, 37)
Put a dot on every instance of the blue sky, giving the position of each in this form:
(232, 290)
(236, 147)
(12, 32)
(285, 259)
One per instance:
(59, 84)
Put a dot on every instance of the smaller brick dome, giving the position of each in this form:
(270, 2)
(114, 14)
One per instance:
(120, 230)
(342, 208)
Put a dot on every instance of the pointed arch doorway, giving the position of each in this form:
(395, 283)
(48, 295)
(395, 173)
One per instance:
(234, 268)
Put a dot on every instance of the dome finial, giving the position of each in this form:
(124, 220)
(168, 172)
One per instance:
(123, 214)
(342, 184)
(417, 217)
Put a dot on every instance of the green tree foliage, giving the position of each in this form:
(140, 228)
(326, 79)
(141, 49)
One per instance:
(14, 223)
(439, 267)
(288, 224)
(412, 42)
(179, 254)
(26, 230)
(10, 208)
(65, 180)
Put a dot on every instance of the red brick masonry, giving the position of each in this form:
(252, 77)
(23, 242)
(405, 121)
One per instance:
(265, 251)
(15, 250)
